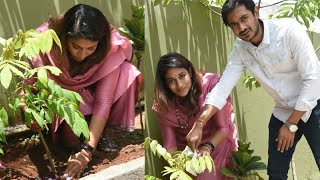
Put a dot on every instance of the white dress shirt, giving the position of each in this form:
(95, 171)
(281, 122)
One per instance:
(285, 64)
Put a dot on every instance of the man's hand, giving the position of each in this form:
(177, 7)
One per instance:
(285, 138)
(195, 135)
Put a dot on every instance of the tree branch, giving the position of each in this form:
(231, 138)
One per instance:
(271, 4)
(213, 11)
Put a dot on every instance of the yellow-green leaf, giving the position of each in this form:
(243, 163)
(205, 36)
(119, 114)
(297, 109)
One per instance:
(202, 164)
(42, 76)
(6, 77)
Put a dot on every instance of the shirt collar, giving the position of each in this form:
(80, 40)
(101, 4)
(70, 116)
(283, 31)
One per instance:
(266, 37)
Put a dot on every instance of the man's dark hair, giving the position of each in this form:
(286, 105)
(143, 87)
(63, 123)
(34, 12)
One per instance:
(230, 5)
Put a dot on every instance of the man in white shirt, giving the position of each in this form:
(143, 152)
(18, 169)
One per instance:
(281, 57)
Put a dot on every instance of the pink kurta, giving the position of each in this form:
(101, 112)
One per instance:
(109, 89)
(222, 121)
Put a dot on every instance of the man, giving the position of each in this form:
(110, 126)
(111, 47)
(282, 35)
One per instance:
(281, 57)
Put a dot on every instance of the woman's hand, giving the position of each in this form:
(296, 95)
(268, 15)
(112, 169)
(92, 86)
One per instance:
(76, 164)
(204, 151)
(195, 135)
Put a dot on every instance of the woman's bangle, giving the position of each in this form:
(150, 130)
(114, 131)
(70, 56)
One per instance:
(205, 146)
(208, 145)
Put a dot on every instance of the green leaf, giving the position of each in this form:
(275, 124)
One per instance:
(78, 97)
(16, 71)
(4, 116)
(55, 38)
(208, 163)
(174, 175)
(27, 117)
(147, 142)
(43, 76)
(20, 64)
(228, 172)
(184, 176)
(82, 124)
(6, 77)
(153, 146)
(54, 70)
(189, 168)
(202, 164)
(195, 165)
(38, 118)
(161, 151)
(256, 166)
(49, 115)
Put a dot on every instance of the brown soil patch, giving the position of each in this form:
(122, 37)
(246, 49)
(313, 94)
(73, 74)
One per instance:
(24, 156)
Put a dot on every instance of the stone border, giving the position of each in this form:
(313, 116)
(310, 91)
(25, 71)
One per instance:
(132, 170)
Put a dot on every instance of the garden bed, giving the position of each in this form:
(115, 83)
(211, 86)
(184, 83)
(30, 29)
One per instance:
(25, 158)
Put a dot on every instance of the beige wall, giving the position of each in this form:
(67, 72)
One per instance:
(200, 35)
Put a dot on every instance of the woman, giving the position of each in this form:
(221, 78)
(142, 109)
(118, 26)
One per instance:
(95, 63)
(179, 98)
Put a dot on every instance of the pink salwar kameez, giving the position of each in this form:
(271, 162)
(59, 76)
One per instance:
(174, 136)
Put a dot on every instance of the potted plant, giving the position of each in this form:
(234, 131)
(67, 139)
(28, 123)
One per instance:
(244, 164)
(182, 164)
(43, 99)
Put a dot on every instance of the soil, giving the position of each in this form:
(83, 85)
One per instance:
(24, 155)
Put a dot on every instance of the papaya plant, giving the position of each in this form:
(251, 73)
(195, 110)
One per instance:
(181, 163)
(40, 97)
(244, 164)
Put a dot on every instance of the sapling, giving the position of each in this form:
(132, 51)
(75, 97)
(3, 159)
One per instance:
(42, 99)
(182, 164)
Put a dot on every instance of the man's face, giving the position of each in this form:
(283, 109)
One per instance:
(244, 24)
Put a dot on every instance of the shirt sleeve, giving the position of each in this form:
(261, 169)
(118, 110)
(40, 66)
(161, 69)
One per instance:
(308, 66)
(105, 93)
(233, 71)
(168, 135)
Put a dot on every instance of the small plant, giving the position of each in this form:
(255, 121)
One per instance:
(244, 165)
(250, 81)
(135, 32)
(42, 99)
(180, 163)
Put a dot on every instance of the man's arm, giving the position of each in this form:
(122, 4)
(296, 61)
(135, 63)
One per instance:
(217, 98)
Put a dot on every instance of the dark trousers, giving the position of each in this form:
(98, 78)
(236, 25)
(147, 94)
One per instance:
(278, 163)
